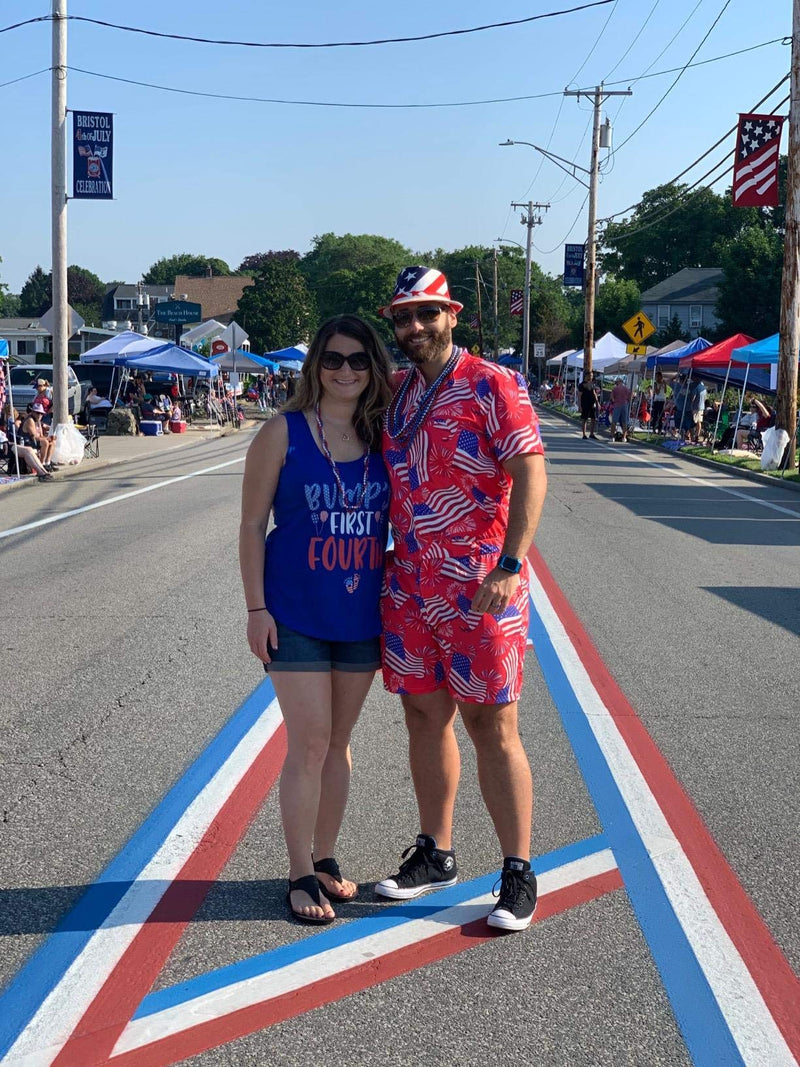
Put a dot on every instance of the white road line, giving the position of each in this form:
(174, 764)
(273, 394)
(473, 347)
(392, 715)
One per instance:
(749, 1019)
(270, 984)
(116, 499)
(61, 1011)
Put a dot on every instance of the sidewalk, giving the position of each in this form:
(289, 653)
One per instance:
(125, 449)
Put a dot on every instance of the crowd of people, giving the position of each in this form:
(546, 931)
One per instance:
(25, 439)
(448, 453)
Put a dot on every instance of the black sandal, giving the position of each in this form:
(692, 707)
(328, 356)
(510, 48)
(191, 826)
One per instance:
(308, 884)
(330, 867)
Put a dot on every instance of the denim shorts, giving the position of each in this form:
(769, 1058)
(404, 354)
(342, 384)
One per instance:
(298, 652)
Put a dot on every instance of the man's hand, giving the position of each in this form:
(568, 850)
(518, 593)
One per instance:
(495, 592)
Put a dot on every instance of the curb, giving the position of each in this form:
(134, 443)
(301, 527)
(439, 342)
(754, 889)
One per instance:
(100, 463)
(702, 461)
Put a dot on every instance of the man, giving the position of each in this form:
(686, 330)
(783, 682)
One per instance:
(590, 404)
(466, 467)
(698, 405)
(620, 400)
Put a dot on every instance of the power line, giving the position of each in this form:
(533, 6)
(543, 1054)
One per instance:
(27, 22)
(629, 46)
(340, 44)
(682, 71)
(25, 77)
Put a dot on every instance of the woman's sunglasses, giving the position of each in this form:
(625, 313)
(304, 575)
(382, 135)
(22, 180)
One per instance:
(425, 315)
(335, 360)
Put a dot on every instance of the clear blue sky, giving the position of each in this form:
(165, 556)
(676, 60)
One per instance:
(230, 178)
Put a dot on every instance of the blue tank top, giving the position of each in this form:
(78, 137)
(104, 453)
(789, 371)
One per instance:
(324, 565)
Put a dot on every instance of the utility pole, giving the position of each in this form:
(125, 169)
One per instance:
(61, 326)
(786, 416)
(598, 94)
(480, 312)
(530, 220)
(494, 298)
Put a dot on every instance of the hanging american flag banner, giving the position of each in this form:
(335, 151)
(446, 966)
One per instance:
(474, 322)
(517, 298)
(755, 172)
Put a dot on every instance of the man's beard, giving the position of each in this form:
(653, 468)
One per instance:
(436, 345)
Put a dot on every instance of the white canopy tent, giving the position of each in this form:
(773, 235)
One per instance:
(608, 349)
(206, 331)
(556, 361)
(121, 345)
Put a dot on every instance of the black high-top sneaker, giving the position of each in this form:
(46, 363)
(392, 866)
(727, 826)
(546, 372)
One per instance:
(428, 867)
(517, 897)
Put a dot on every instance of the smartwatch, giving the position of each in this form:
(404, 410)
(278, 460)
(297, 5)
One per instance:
(510, 564)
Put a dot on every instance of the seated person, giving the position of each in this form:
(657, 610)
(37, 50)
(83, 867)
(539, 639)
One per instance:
(760, 418)
(177, 414)
(164, 404)
(34, 435)
(95, 402)
(15, 452)
(44, 394)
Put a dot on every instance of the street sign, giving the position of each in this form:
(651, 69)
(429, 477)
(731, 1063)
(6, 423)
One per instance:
(539, 351)
(219, 348)
(178, 312)
(475, 350)
(573, 264)
(636, 350)
(48, 321)
(638, 327)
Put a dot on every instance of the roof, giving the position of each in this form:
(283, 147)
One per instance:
(124, 289)
(29, 322)
(692, 285)
(217, 296)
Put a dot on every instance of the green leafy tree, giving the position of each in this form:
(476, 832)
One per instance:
(85, 293)
(164, 271)
(672, 229)
(616, 302)
(749, 299)
(354, 273)
(278, 310)
(34, 298)
(252, 264)
(10, 306)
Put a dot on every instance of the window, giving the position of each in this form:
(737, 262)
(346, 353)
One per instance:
(695, 316)
(663, 316)
(26, 348)
(123, 304)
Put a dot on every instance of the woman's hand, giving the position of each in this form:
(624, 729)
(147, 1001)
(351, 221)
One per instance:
(262, 634)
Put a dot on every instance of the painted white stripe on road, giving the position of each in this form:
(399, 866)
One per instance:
(269, 985)
(750, 1021)
(116, 499)
(61, 1011)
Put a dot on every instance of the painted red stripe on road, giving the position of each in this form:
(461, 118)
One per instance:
(770, 970)
(409, 958)
(131, 980)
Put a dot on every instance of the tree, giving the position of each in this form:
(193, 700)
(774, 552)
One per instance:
(10, 305)
(278, 310)
(616, 301)
(85, 293)
(749, 298)
(337, 268)
(252, 264)
(672, 229)
(165, 271)
(34, 298)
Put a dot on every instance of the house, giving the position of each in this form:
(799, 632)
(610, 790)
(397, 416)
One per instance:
(122, 301)
(27, 338)
(217, 296)
(691, 294)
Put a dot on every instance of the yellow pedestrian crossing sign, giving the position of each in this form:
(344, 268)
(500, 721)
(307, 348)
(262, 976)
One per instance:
(636, 350)
(638, 327)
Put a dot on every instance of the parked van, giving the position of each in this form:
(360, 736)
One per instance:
(23, 385)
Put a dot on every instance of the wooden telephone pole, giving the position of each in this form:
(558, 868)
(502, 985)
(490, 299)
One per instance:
(786, 418)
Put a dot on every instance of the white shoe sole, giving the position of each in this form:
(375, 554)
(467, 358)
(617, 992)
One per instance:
(393, 892)
(504, 920)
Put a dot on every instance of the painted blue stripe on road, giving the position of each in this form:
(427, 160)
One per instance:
(702, 1024)
(345, 933)
(45, 969)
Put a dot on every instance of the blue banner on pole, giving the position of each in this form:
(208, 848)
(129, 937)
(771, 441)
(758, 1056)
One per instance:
(92, 155)
(573, 264)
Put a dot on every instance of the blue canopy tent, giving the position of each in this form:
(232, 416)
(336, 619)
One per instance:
(509, 360)
(290, 364)
(270, 364)
(241, 361)
(174, 360)
(672, 359)
(296, 352)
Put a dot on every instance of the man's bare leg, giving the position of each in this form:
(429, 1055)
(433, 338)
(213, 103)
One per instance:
(435, 761)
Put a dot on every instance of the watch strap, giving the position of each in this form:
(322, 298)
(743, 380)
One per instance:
(510, 564)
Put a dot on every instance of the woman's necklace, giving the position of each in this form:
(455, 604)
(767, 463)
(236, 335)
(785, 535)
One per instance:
(404, 434)
(358, 502)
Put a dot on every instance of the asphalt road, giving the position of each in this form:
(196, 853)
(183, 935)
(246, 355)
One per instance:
(124, 656)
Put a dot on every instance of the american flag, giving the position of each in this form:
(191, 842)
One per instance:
(474, 322)
(517, 298)
(755, 172)
(422, 282)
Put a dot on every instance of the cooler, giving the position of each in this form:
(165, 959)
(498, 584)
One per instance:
(177, 427)
(151, 428)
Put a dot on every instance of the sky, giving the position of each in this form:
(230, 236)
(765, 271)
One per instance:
(230, 178)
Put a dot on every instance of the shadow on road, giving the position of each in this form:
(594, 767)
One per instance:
(773, 603)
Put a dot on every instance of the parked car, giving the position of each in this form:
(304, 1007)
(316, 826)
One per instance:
(99, 375)
(23, 385)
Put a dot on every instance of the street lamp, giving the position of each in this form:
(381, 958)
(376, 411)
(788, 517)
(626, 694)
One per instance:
(558, 160)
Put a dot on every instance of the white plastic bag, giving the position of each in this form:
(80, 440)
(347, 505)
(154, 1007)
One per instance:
(69, 445)
(775, 442)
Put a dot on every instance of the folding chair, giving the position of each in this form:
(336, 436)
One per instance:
(91, 449)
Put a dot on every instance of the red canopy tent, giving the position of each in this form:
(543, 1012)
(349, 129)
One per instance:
(718, 355)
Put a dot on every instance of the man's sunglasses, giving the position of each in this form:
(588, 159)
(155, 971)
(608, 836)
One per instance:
(335, 360)
(425, 315)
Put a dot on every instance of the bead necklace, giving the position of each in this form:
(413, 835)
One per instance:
(358, 502)
(405, 434)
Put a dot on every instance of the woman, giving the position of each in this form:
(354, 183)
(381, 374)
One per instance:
(33, 434)
(312, 595)
(11, 439)
(659, 400)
